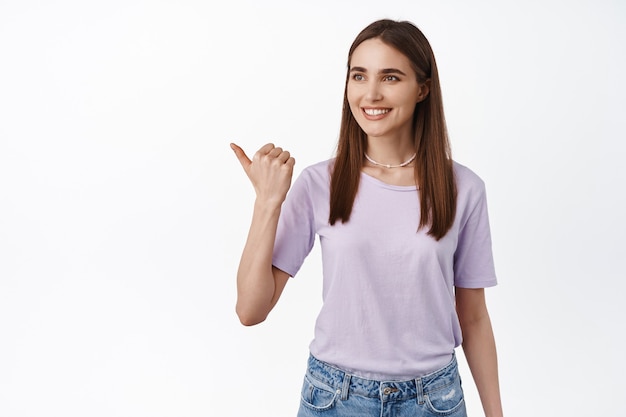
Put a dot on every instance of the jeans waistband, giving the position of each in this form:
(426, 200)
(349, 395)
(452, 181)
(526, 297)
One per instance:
(340, 380)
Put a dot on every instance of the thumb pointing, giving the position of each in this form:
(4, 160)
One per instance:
(241, 156)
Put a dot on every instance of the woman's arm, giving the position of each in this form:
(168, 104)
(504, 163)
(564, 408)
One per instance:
(259, 284)
(479, 347)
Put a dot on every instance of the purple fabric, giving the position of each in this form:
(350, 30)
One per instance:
(388, 290)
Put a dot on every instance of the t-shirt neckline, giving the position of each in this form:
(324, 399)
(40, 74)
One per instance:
(383, 184)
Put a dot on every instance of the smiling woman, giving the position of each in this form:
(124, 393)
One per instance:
(405, 243)
(381, 95)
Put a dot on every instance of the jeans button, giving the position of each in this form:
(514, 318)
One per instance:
(387, 391)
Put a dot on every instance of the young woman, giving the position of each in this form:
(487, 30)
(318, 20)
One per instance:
(405, 241)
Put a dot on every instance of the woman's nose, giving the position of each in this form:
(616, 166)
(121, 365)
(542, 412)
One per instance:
(373, 91)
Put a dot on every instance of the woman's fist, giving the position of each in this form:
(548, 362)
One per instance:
(270, 172)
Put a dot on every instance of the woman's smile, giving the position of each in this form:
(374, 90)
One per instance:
(375, 113)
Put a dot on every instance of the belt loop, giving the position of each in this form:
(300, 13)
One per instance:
(346, 387)
(420, 391)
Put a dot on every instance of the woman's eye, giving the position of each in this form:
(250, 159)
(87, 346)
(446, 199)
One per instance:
(391, 78)
(358, 77)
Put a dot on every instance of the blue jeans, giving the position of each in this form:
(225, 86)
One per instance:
(331, 392)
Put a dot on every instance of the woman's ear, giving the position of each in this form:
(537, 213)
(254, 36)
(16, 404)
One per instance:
(424, 90)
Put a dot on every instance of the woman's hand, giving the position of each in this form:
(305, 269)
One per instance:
(270, 172)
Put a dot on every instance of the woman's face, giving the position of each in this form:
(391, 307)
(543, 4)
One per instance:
(382, 90)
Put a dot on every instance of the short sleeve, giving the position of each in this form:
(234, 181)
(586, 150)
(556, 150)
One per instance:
(473, 258)
(295, 234)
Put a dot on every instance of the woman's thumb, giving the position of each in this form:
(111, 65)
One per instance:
(241, 156)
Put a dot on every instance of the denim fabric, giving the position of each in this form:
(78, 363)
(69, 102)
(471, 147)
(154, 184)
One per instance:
(331, 392)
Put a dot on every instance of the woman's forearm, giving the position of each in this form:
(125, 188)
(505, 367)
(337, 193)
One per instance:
(255, 280)
(479, 348)
(259, 284)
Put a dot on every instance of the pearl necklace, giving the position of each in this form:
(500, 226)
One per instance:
(391, 166)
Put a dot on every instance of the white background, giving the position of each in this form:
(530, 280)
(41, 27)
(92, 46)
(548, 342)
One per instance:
(123, 211)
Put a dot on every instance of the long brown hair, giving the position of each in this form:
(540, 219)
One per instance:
(433, 168)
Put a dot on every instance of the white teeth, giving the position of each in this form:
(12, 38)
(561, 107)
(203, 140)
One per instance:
(376, 112)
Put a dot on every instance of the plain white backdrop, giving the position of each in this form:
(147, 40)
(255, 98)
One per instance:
(123, 211)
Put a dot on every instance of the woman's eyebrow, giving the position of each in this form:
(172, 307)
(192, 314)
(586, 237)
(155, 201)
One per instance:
(382, 71)
(391, 71)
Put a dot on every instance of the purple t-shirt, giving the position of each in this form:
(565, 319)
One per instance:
(388, 290)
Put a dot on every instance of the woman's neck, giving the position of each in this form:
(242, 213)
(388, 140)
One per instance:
(390, 161)
(389, 152)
